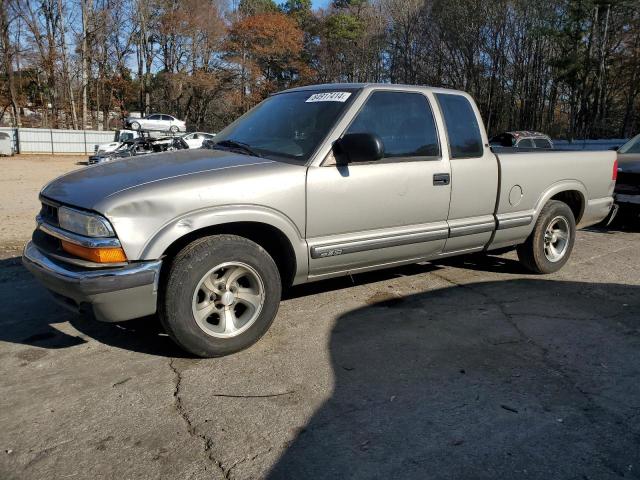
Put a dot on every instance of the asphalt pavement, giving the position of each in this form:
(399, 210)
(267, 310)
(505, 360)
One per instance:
(468, 368)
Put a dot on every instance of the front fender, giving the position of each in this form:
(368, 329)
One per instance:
(190, 222)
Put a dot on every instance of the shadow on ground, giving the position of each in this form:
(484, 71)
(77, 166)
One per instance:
(524, 378)
(28, 314)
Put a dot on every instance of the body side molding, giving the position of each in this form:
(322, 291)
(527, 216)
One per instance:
(459, 230)
(323, 251)
(513, 222)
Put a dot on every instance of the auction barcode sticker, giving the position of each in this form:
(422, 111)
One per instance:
(329, 97)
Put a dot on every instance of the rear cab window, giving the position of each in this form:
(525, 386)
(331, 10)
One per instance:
(463, 131)
(404, 122)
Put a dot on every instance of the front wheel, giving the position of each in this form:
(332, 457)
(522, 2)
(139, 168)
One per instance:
(135, 126)
(550, 244)
(222, 294)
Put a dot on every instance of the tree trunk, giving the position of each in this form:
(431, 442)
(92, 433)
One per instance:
(65, 66)
(8, 61)
(85, 61)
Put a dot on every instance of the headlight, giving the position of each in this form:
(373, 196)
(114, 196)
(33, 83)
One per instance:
(84, 223)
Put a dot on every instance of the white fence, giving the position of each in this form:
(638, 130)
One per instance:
(53, 141)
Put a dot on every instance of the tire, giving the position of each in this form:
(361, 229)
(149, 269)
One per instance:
(174, 129)
(200, 283)
(535, 254)
(135, 126)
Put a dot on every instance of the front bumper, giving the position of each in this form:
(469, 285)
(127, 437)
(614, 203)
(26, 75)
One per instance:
(111, 295)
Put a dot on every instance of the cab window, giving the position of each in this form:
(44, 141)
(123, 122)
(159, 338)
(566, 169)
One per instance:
(404, 122)
(463, 131)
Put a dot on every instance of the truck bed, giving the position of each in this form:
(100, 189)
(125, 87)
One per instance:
(523, 190)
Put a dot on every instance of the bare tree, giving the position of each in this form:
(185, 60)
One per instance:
(8, 52)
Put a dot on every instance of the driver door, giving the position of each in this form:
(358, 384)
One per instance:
(388, 211)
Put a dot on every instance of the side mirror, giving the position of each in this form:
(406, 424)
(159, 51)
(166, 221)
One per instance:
(358, 147)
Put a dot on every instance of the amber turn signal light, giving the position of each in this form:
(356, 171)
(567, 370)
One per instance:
(97, 255)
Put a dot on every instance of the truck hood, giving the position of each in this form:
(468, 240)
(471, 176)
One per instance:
(86, 187)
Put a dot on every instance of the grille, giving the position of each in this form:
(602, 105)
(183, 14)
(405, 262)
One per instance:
(49, 213)
(46, 242)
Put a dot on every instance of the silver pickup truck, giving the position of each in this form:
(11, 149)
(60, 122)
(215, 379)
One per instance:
(313, 183)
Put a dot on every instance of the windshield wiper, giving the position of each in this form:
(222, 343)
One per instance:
(238, 146)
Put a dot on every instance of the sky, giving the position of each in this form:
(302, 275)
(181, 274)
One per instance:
(320, 3)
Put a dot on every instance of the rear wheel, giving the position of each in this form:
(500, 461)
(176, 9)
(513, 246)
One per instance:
(173, 129)
(221, 296)
(550, 244)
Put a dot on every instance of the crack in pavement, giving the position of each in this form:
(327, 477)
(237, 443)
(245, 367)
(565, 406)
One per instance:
(207, 442)
(589, 411)
(179, 407)
(247, 459)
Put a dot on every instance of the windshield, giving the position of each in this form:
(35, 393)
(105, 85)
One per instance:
(632, 146)
(288, 125)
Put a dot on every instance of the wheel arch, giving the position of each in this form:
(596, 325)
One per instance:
(273, 232)
(574, 200)
(571, 192)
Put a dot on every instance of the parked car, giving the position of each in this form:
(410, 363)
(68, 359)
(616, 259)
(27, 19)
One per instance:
(119, 137)
(156, 122)
(627, 191)
(139, 146)
(195, 139)
(6, 144)
(522, 139)
(314, 182)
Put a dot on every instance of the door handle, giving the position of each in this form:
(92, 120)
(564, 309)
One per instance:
(441, 179)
